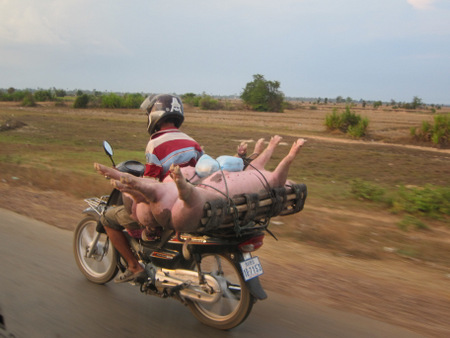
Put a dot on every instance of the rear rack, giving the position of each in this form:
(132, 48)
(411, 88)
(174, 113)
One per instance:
(97, 203)
(248, 213)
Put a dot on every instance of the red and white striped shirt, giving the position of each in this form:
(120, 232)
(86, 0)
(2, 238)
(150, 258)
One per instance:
(167, 147)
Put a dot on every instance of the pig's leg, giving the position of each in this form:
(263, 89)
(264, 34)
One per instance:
(186, 191)
(259, 146)
(265, 156)
(159, 198)
(188, 209)
(107, 171)
(138, 196)
(279, 176)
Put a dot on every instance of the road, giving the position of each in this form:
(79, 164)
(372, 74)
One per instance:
(43, 294)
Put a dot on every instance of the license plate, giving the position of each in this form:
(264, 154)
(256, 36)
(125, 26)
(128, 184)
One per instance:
(251, 268)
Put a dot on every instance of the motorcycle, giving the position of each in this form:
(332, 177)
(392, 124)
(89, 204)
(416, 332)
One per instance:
(212, 271)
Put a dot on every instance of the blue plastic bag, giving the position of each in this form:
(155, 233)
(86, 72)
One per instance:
(230, 163)
(206, 165)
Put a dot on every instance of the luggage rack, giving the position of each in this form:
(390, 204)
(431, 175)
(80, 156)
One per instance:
(247, 213)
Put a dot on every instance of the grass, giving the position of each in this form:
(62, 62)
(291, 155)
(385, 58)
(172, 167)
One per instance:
(57, 148)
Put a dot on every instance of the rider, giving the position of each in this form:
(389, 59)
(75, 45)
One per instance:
(167, 146)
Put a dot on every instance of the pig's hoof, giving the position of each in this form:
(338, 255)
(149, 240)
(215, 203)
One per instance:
(297, 145)
(184, 188)
(274, 141)
(175, 173)
(259, 146)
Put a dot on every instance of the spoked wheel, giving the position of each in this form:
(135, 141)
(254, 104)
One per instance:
(235, 302)
(101, 267)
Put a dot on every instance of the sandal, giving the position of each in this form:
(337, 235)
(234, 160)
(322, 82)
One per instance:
(129, 276)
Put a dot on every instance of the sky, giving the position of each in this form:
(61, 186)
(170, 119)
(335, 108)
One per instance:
(364, 49)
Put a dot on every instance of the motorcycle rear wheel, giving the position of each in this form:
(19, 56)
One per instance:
(102, 266)
(236, 301)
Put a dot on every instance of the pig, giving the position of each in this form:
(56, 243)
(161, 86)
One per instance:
(178, 204)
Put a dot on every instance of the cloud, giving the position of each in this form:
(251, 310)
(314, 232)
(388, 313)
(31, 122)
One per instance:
(421, 4)
(71, 24)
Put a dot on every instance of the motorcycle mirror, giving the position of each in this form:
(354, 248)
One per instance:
(109, 151)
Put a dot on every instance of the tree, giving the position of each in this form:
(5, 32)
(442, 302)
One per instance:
(263, 95)
(416, 102)
(377, 104)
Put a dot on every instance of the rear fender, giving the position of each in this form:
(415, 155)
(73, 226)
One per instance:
(91, 212)
(256, 289)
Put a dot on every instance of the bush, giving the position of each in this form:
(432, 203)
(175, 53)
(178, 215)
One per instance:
(112, 101)
(28, 100)
(209, 103)
(13, 95)
(367, 191)
(43, 95)
(347, 122)
(333, 120)
(438, 132)
(413, 221)
(133, 101)
(81, 101)
(360, 129)
(430, 201)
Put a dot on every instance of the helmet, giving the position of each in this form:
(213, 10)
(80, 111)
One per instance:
(162, 107)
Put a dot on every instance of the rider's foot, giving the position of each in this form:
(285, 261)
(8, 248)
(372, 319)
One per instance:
(130, 276)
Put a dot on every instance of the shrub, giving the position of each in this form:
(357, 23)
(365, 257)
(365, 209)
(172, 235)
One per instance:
(28, 100)
(112, 101)
(81, 101)
(209, 103)
(429, 200)
(366, 190)
(413, 221)
(347, 122)
(333, 120)
(132, 100)
(189, 98)
(43, 95)
(360, 129)
(438, 132)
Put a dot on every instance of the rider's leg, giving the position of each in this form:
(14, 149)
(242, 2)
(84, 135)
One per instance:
(114, 220)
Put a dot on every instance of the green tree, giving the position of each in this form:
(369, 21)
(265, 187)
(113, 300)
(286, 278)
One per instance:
(263, 95)
(377, 104)
(416, 102)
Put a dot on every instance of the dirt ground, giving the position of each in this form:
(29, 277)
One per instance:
(393, 289)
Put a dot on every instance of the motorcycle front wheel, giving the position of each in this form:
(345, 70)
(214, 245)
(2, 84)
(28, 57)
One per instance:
(102, 266)
(235, 303)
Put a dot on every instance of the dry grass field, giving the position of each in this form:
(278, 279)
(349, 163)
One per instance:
(340, 251)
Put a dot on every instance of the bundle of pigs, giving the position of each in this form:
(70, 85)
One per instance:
(219, 202)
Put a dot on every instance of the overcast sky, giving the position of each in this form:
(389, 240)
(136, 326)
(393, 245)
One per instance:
(363, 49)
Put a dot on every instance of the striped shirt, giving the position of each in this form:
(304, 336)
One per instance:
(167, 147)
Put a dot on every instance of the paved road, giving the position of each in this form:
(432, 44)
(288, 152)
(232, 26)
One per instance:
(42, 294)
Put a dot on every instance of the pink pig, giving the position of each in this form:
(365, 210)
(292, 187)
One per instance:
(178, 204)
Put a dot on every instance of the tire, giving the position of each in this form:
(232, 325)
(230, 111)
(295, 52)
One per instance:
(102, 266)
(236, 302)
